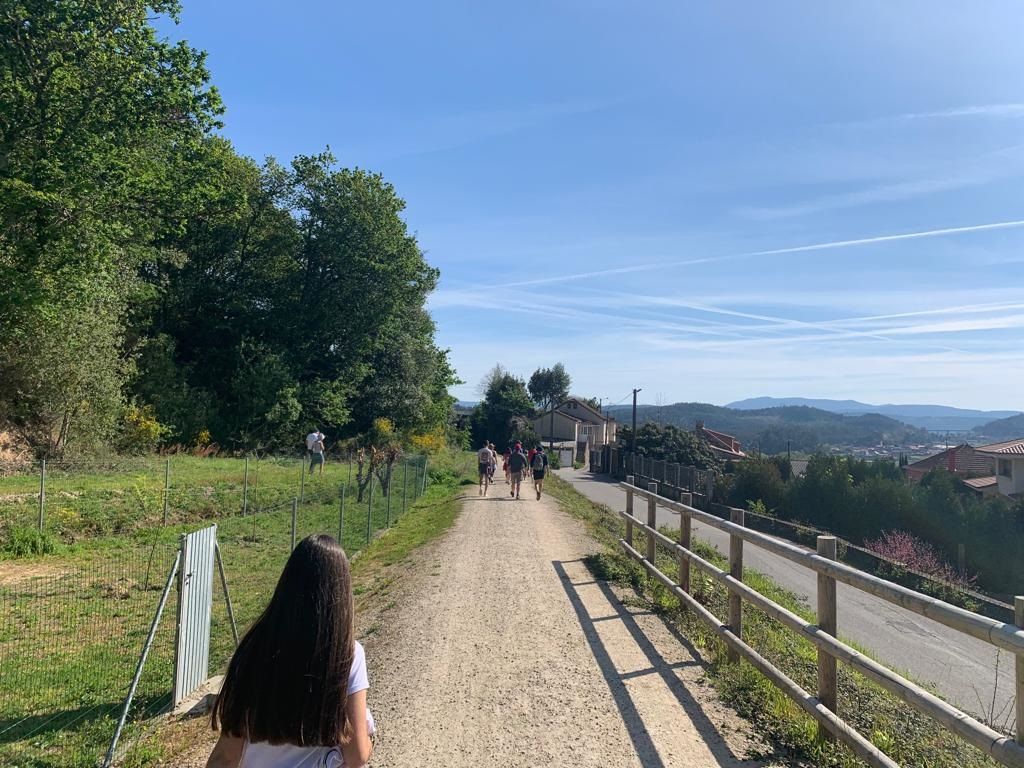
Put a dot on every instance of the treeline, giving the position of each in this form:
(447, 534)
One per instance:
(773, 430)
(860, 500)
(157, 287)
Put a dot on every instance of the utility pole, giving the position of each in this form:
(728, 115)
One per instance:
(632, 447)
(551, 439)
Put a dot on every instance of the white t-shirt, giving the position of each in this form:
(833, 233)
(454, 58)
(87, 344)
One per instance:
(263, 755)
(312, 439)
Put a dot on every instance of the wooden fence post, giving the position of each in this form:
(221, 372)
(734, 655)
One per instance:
(245, 489)
(295, 519)
(341, 519)
(736, 571)
(652, 521)
(1018, 613)
(685, 526)
(167, 486)
(629, 511)
(827, 680)
(42, 494)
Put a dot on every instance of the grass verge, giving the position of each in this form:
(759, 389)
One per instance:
(72, 625)
(904, 734)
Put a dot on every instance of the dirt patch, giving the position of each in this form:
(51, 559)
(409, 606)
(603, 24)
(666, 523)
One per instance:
(13, 572)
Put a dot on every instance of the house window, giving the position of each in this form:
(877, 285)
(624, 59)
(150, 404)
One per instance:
(1005, 468)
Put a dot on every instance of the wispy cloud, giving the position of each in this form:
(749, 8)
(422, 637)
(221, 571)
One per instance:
(987, 168)
(830, 245)
(1013, 109)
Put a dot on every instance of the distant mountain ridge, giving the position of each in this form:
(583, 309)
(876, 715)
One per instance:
(772, 430)
(935, 418)
(1003, 429)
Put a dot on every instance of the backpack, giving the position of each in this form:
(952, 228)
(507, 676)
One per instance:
(538, 460)
(517, 461)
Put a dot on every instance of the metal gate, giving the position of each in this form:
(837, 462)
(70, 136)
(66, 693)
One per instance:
(195, 599)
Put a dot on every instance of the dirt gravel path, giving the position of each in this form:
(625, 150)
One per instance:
(504, 651)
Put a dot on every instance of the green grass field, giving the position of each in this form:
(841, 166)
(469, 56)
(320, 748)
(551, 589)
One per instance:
(72, 623)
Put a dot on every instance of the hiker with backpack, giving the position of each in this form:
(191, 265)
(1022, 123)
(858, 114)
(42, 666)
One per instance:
(485, 459)
(517, 464)
(539, 465)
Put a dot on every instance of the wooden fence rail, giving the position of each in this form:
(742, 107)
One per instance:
(824, 706)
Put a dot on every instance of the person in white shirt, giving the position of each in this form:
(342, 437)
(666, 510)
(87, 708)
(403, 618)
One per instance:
(295, 691)
(485, 458)
(315, 449)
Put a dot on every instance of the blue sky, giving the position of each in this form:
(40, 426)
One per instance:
(630, 188)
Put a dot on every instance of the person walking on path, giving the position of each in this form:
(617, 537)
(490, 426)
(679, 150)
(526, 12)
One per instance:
(295, 690)
(517, 464)
(504, 466)
(485, 457)
(539, 465)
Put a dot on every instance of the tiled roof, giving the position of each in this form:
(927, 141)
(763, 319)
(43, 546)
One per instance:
(960, 458)
(1015, 447)
(977, 483)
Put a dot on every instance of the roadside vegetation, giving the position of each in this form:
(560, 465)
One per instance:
(907, 736)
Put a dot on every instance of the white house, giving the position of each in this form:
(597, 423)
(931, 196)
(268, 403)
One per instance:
(1009, 458)
(592, 426)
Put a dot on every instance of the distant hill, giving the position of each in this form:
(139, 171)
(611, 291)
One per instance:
(1003, 429)
(936, 418)
(804, 427)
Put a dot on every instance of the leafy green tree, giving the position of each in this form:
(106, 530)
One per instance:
(670, 443)
(549, 386)
(102, 130)
(505, 408)
(757, 480)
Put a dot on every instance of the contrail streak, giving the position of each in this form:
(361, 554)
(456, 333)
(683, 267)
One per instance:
(773, 252)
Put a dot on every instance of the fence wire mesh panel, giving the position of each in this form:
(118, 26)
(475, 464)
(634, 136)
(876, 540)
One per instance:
(72, 624)
(70, 634)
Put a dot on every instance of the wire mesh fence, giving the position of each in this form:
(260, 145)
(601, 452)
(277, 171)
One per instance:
(72, 626)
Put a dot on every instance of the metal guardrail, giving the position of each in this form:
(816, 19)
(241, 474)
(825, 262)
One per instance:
(823, 706)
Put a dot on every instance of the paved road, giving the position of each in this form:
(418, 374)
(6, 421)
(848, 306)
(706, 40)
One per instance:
(961, 669)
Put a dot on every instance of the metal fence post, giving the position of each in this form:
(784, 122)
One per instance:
(827, 681)
(341, 518)
(295, 518)
(369, 512)
(245, 489)
(736, 571)
(652, 521)
(387, 493)
(685, 528)
(405, 484)
(629, 510)
(424, 489)
(1018, 619)
(42, 493)
(167, 486)
(302, 481)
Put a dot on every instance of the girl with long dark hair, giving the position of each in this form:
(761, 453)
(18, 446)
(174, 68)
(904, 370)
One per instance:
(295, 692)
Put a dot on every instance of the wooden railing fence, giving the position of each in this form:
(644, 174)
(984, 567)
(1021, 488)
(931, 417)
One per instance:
(824, 706)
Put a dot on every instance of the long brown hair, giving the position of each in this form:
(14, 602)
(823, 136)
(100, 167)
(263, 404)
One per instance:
(288, 680)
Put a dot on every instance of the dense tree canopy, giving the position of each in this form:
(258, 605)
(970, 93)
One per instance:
(670, 443)
(144, 263)
(503, 414)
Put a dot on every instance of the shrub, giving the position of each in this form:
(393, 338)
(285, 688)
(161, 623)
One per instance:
(25, 541)
(914, 554)
(140, 431)
(429, 442)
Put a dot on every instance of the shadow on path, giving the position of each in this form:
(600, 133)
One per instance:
(611, 609)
